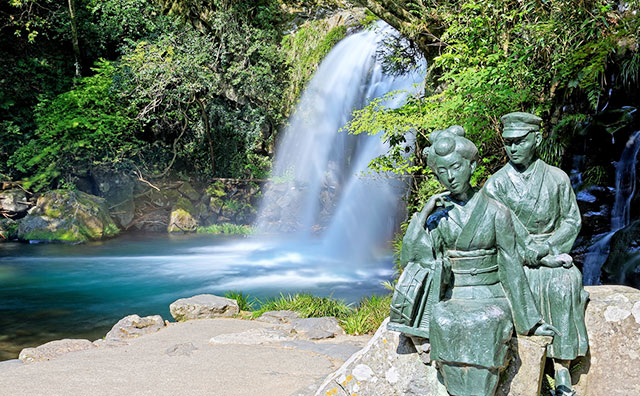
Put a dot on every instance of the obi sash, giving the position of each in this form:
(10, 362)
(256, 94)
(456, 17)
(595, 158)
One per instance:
(474, 267)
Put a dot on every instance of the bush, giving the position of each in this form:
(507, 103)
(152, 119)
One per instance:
(86, 127)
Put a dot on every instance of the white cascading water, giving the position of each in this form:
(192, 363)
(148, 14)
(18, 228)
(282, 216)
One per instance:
(620, 214)
(316, 160)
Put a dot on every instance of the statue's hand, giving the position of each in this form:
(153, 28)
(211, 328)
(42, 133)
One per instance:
(560, 260)
(545, 329)
(431, 204)
(567, 261)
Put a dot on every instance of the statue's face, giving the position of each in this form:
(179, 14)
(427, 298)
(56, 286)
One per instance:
(454, 172)
(522, 150)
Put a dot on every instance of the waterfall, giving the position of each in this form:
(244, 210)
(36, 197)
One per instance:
(319, 181)
(620, 214)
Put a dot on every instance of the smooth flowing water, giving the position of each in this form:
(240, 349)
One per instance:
(620, 214)
(52, 291)
(325, 169)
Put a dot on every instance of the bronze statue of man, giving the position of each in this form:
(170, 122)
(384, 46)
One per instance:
(464, 279)
(547, 221)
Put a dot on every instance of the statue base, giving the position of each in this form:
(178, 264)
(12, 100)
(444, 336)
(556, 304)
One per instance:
(408, 330)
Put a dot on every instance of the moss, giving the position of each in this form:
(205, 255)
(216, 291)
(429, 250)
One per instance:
(305, 49)
(70, 234)
(226, 228)
(68, 216)
(185, 205)
(181, 221)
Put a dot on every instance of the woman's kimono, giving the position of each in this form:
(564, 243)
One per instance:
(486, 294)
(545, 211)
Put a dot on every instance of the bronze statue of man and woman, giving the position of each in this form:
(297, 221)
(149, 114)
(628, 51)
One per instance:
(479, 263)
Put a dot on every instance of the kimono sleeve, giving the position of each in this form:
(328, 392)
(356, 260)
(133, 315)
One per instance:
(515, 285)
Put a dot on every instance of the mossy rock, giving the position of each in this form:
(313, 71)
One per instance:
(183, 217)
(68, 216)
(188, 191)
(171, 195)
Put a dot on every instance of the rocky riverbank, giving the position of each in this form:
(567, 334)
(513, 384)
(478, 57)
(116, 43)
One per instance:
(281, 354)
(107, 206)
(277, 354)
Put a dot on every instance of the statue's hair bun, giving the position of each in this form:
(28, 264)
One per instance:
(454, 130)
(445, 141)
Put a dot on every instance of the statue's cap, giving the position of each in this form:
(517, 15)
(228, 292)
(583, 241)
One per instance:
(518, 124)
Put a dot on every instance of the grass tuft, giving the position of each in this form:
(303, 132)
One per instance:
(306, 305)
(245, 303)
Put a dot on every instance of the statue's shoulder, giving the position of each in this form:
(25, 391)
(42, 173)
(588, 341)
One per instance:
(495, 181)
(555, 173)
(494, 207)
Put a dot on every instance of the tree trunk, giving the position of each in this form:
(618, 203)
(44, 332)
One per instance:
(74, 38)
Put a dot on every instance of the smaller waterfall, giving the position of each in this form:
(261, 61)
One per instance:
(621, 212)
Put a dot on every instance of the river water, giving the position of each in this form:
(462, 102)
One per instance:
(53, 291)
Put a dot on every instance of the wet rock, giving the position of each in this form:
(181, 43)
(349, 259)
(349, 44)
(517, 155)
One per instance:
(278, 317)
(14, 202)
(53, 349)
(612, 364)
(316, 328)
(69, 216)
(134, 326)
(203, 306)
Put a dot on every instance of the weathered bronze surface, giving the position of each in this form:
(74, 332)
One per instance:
(464, 286)
(547, 222)
(472, 263)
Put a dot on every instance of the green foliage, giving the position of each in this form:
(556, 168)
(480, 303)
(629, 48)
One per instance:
(226, 228)
(304, 50)
(88, 125)
(498, 57)
(306, 305)
(364, 318)
(215, 92)
(245, 302)
(367, 316)
(595, 175)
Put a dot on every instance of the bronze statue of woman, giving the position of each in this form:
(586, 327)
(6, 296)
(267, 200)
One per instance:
(484, 292)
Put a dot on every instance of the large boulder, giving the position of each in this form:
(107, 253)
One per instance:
(133, 326)
(53, 349)
(69, 216)
(388, 365)
(613, 362)
(203, 306)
